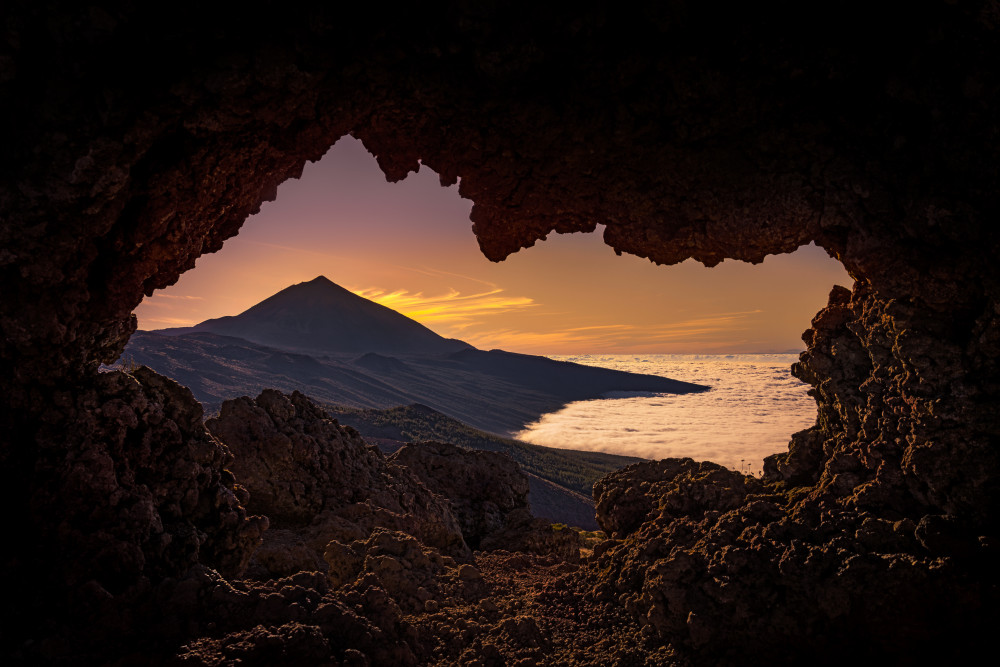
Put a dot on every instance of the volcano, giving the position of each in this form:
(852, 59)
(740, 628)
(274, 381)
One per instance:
(319, 317)
(339, 348)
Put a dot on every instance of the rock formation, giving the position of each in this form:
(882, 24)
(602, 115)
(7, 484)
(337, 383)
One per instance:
(127, 486)
(696, 543)
(484, 487)
(318, 481)
(136, 140)
(490, 496)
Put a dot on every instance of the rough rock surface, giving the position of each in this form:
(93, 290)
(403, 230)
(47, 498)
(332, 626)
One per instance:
(489, 493)
(696, 542)
(534, 535)
(318, 481)
(667, 489)
(127, 487)
(483, 487)
(415, 576)
(689, 133)
(137, 486)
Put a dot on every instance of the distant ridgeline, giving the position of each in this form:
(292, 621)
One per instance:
(338, 348)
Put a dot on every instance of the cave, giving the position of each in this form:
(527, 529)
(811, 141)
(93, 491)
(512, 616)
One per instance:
(137, 138)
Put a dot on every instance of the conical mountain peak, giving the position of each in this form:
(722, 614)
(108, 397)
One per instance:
(321, 317)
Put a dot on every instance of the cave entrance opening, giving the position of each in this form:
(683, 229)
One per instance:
(408, 246)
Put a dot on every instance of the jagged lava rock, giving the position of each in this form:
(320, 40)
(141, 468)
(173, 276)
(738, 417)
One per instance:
(671, 487)
(792, 572)
(410, 572)
(489, 492)
(131, 483)
(483, 487)
(318, 481)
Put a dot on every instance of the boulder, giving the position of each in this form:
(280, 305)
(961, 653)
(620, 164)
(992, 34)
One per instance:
(319, 481)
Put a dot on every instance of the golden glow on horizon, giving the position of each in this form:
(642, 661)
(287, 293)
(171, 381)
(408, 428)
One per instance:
(454, 309)
(408, 246)
(689, 336)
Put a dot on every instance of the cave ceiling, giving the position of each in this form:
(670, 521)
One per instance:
(139, 141)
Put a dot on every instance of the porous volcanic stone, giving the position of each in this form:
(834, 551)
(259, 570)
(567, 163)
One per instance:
(319, 481)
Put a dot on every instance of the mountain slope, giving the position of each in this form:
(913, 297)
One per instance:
(572, 469)
(337, 347)
(561, 480)
(321, 317)
(217, 368)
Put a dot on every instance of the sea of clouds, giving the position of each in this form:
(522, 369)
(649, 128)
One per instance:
(752, 409)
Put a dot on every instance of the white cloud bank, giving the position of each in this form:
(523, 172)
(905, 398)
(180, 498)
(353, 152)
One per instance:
(752, 410)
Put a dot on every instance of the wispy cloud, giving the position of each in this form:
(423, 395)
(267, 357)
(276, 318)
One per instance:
(452, 308)
(609, 337)
(165, 322)
(180, 297)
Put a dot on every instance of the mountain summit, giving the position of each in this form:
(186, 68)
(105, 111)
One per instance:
(319, 338)
(319, 317)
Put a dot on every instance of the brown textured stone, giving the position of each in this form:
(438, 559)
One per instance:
(132, 485)
(489, 493)
(319, 481)
(484, 487)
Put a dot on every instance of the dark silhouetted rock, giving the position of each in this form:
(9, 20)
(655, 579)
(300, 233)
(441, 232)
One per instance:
(319, 481)
(410, 573)
(483, 487)
(132, 485)
(490, 495)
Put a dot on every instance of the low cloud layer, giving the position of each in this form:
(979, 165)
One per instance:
(752, 410)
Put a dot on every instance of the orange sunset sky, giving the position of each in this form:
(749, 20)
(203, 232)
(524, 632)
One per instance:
(410, 246)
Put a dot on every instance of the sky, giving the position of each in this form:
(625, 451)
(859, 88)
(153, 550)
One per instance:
(410, 246)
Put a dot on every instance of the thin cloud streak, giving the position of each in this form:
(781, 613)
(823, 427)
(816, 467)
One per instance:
(166, 322)
(616, 336)
(452, 308)
(183, 297)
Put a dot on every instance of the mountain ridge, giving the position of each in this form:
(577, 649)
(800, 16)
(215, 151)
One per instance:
(321, 317)
(343, 349)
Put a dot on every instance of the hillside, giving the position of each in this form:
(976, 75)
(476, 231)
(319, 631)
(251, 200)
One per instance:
(339, 348)
(573, 472)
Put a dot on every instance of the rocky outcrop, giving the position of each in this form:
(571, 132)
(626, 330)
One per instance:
(490, 495)
(318, 481)
(127, 489)
(130, 483)
(484, 487)
(416, 577)
(533, 535)
(665, 490)
(793, 572)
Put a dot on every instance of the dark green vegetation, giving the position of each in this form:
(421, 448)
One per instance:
(572, 469)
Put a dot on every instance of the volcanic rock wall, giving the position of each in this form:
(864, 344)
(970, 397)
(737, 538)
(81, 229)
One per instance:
(138, 138)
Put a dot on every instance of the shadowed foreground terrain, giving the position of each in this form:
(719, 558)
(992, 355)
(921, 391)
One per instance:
(561, 480)
(138, 137)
